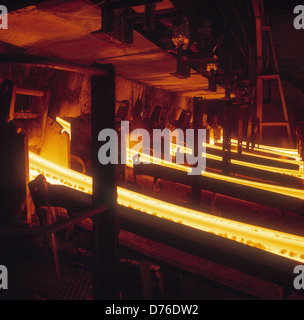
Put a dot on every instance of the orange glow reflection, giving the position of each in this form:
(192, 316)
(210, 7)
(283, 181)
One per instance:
(279, 243)
(296, 193)
(294, 173)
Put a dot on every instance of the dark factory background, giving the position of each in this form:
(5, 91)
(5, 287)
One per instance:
(73, 229)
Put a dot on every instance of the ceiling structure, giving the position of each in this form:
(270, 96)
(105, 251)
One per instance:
(63, 29)
(70, 30)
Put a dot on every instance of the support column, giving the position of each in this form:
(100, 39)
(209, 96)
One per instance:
(197, 123)
(227, 141)
(105, 224)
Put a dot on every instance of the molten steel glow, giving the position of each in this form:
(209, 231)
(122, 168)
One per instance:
(71, 178)
(285, 152)
(290, 153)
(294, 159)
(65, 125)
(278, 151)
(56, 174)
(294, 173)
(292, 192)
(279, 243)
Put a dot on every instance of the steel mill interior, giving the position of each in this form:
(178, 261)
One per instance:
(77, 225)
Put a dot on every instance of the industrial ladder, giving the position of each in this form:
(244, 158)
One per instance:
(260, 29)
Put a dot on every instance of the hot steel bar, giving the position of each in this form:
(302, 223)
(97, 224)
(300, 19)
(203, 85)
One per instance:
(279, 243)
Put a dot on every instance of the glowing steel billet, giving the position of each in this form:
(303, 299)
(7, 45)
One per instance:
(65, 125)
(71, 178)
(294, 173)
(279, 243)
(296, 193)
(58, 175)
(287, 151)
(295, 160)
(291, 153)
(276, 242)
(289, 172)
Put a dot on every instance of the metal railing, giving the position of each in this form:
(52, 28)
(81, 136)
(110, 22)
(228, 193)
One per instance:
(49, 229)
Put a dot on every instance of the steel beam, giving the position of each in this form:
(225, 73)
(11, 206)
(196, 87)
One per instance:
(46, 62)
